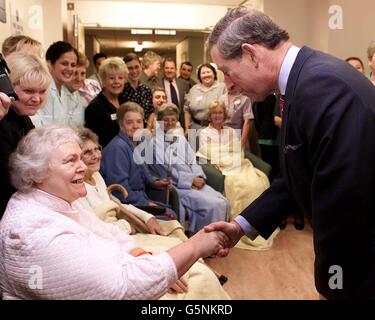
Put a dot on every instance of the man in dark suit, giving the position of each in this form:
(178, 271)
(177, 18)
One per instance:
(327, 148)
(175, 88)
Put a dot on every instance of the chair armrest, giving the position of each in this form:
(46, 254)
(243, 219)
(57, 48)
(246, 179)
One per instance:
(259, 163)
(215, 178)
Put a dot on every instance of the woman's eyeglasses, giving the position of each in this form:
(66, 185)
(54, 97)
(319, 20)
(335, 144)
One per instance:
(90, 152)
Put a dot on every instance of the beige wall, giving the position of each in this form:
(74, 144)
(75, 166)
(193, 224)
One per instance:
(308, 24)
(43, 20)
(23, 17)
(191, 49)
(305, 20)
(5, 27)
(358, 30)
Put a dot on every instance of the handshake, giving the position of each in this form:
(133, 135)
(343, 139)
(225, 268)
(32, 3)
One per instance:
(217, 238)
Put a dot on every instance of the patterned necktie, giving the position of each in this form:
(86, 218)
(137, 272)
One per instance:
(173, 93)
(282, 104)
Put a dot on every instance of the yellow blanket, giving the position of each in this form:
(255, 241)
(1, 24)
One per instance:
(242, 185)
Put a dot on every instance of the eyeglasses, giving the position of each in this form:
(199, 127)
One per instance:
(90, 152)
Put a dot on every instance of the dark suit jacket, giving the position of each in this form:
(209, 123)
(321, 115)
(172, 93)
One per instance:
(327, 159)
(183, 88)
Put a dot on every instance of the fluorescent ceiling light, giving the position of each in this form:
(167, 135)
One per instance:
(138, 47)
(141, 31)
(165, 32)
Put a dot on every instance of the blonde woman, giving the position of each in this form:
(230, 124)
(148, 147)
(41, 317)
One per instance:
(243, 183)
(30, 79)
(100, 114)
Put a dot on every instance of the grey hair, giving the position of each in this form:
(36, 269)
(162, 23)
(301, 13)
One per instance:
(86, 134)
(371, 50)
(167, 109)
(149, 58)
(29, 163)
(128, 107)
(241, 25)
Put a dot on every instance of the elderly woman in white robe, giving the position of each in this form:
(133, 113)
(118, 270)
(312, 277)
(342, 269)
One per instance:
(199, 282)
(176, 160)
(49, 250)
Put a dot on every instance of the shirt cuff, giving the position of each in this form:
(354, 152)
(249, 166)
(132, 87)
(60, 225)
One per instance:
(247, 228)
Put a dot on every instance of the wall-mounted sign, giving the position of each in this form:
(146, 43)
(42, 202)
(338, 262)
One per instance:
(3, 12)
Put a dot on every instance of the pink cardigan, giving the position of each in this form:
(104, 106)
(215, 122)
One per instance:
(48, 250)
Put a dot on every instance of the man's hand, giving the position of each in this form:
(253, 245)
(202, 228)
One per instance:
(5, 103)
(233, 233)
(154, 227)
(209, 243)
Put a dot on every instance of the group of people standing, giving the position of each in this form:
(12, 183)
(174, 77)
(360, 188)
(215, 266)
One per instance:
(327, 110)
(45, 172)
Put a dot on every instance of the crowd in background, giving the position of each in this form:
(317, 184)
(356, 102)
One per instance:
(124, 96)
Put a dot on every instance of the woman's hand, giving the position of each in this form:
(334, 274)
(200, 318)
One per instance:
(180, 286)
(154, 227)
(198, 183)
(163, 183)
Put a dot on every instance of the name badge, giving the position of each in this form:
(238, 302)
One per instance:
(237, 102)
(200, 98)
(113, 116)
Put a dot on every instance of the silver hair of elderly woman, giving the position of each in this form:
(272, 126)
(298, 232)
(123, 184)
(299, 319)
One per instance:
(30, 161)
(167, 109)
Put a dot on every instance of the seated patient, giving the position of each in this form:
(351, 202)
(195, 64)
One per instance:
(175, 159)
(119, 163)
(220, 144)
(159, 97)
(199, 282)
(97, 197)
(50, 250)
(243, 183)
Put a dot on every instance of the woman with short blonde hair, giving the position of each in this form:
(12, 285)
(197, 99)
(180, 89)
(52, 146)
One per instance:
(100, 114)
(30, 79)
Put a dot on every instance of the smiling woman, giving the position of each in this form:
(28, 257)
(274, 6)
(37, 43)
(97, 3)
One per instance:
(61, 106)
(78, 255)
(30, 79)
